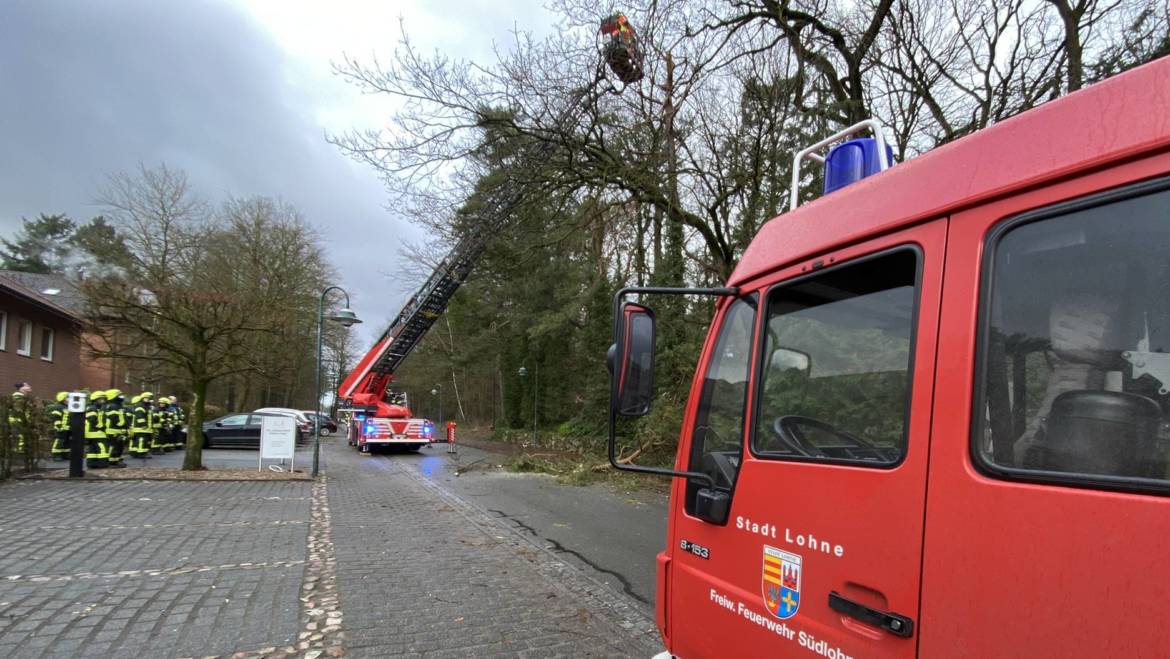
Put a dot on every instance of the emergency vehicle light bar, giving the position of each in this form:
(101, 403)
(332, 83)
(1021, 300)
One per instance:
(810, 152)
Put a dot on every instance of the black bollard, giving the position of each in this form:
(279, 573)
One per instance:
(76, 435)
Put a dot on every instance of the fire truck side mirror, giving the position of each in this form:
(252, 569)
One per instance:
(631, 361)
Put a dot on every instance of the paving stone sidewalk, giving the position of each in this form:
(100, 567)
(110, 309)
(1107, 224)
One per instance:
(150, 569)
(423, 573)
(372, 561)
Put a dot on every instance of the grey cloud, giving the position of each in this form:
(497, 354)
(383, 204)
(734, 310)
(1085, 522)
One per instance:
(91, 88)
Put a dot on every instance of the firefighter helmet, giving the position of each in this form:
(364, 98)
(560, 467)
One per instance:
(113, 393)
(61, 396)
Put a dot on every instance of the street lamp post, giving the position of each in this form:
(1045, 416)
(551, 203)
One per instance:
(347, 318)
(438, 391)
(523, 372)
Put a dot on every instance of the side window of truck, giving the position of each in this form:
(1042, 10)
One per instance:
(717, 439)
(836, 365)
(1074, 346)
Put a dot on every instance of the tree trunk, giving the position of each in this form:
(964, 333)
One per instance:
(1070, 16)
(245, 395)
(193, 457)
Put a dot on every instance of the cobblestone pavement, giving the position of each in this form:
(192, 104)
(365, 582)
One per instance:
(375, 561)
(150, 569)
(424, 573)
(215, 458)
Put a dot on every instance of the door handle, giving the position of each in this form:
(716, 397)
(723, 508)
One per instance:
(898, 625)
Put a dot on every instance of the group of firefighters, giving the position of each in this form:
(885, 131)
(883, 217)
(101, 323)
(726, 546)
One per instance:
(115, 427)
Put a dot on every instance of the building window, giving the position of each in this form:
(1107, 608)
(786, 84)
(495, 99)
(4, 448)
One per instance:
(24, 339)
(3, 330)
(47, 344)
(1074, 382)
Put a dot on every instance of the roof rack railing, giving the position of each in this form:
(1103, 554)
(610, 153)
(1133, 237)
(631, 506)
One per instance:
(811, 153)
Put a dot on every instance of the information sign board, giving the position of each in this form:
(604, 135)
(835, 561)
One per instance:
(278, 437)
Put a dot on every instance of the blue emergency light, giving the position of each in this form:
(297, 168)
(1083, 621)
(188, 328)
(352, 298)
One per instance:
(851, 161)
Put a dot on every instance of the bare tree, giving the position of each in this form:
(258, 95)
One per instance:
(656, 143)
(832, 44)
(198, 291)
(701, 144)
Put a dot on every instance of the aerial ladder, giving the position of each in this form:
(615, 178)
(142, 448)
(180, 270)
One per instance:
(383, 417)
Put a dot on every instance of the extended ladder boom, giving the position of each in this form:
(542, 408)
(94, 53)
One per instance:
(374, 372)
(366, 384)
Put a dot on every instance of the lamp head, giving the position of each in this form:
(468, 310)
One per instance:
(346, 317)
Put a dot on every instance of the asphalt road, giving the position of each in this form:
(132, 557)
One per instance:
(612, 534)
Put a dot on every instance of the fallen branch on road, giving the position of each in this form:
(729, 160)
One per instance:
(623, 461)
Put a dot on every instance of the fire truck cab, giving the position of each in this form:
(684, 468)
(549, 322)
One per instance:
(388, 424)
(932, 414)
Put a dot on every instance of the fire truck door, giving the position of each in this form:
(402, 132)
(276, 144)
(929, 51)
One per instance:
(1049, 511)
(820, 440)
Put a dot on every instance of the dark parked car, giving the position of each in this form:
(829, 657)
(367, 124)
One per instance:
(328, 426)
(242, 429)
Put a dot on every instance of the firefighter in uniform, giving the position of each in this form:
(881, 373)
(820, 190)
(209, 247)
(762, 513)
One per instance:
(177, 437)
(173, 413)
(170, 422)
(59, 413)
(163, 426)
(97, 452)
(116, 426)
(139, 428)
(15, 423)
(155, 419)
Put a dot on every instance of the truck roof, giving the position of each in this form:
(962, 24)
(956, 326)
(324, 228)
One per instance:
(1122, 115)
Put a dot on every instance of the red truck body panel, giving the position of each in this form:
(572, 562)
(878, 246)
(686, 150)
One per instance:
(983, 566)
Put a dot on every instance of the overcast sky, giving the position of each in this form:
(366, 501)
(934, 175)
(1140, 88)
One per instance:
(237, 94)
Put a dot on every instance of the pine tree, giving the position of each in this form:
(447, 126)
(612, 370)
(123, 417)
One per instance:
(42, 245)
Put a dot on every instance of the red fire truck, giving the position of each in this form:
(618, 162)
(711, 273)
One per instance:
(388, 423)
(380, 417)
(932, 415)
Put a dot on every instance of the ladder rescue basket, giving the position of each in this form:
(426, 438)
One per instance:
(621, 49)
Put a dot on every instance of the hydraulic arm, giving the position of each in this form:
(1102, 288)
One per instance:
(367, 383)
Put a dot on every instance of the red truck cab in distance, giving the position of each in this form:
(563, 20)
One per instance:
(387, 423)
(932, 414)
(379, 416)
